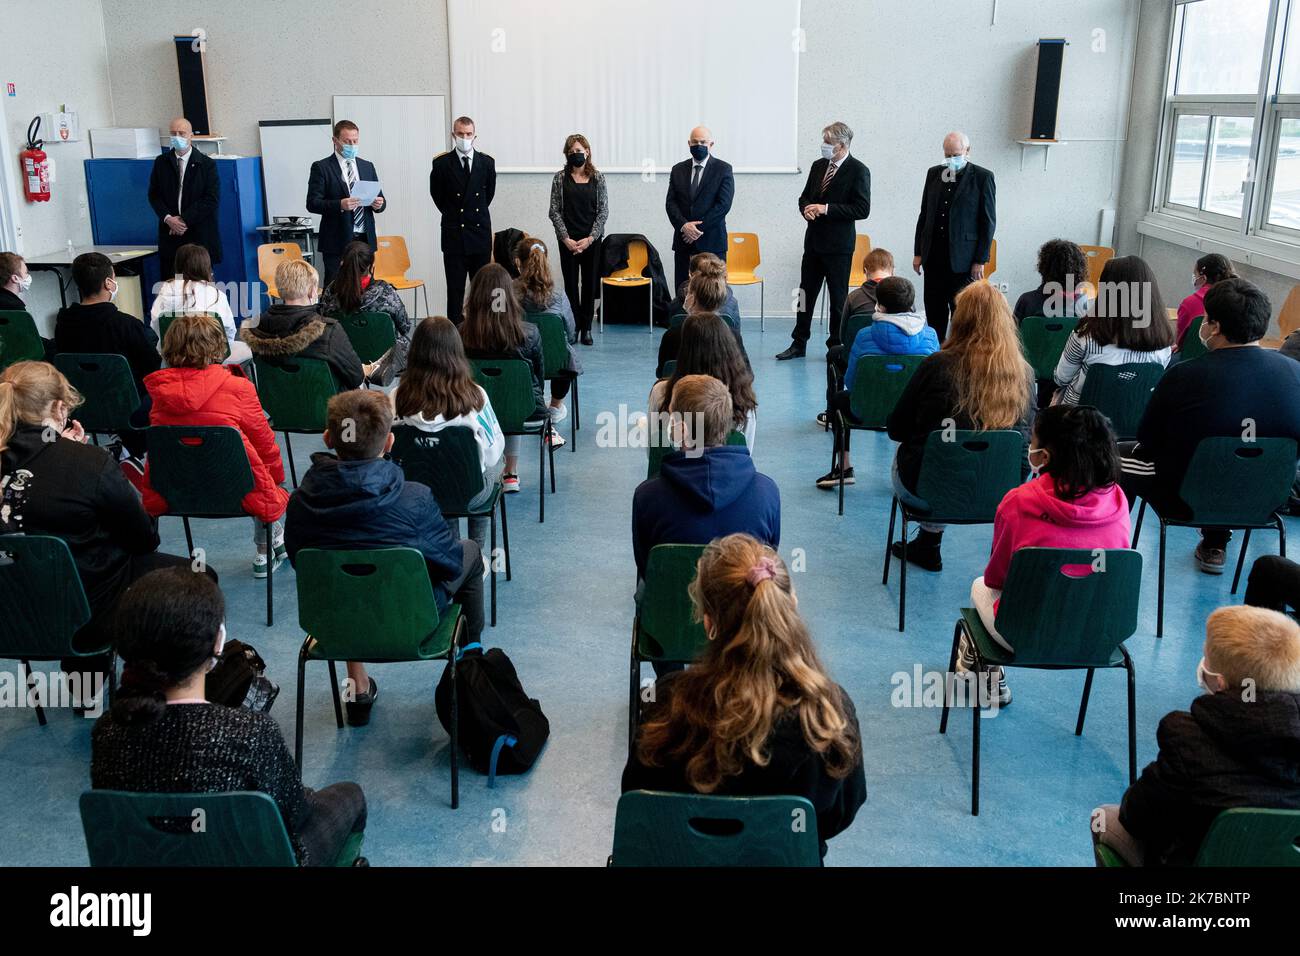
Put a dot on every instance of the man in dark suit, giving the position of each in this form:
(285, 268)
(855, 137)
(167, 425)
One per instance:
(184, 193)
(462, 183)
(700, 190)
(954, 232)
(329, 195)
(837, 194)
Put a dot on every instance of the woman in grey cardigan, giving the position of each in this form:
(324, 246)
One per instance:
(579, 208)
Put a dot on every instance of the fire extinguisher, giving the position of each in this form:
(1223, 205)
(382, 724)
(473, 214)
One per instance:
(36, 166)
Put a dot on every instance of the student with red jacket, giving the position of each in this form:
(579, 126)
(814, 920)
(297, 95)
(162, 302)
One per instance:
(196, 389)
(1073, 502)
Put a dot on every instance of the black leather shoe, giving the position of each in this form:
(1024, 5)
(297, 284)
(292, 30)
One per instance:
(793, 352)
(358, 710)
(585, 337)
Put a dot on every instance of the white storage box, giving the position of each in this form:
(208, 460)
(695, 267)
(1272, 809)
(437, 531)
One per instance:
(121, 142)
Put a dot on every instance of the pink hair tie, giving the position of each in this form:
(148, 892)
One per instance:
(765, 570)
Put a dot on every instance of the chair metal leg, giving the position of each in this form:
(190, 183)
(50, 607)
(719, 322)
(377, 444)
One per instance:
(1137, 528)
(650, 307)
(455, 726)
(189, 537)
(902, 576)
(839, 458)
(550, 453)
(541, 480)
(634, 686)
(762, 311)
(948, 678)
(26, 669)
(1241, 559)
(334, 693)
(573, 424)
(1132, 717)
(600, 307)
(492, 567)
(297, 724)
(1160, 586)
(975, 751)
(505, 532)
(889, 539)
(577, 411)
(270, 575)
(1281, 536)
(1083, 704)
(288, 453)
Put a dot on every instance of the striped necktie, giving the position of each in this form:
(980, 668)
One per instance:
(358, 214)
(830, 174)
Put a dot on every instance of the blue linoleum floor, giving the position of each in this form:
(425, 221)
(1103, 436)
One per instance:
(565, 620)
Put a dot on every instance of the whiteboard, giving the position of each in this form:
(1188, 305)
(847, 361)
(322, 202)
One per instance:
(634, 76)
(289, 147)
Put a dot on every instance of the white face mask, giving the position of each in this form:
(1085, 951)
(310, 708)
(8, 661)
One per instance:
(465, 144)
(1200, 334)
(112, 293)
(219, 646)
(1034, 470)
(828, 151)
(25, 283)
(1203, 675)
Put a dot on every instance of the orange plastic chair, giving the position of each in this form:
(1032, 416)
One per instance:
(392, 260)
(1288, 320)
(861, 247)
(638, 257)
(1097, 257)
(992, 265)
(269, 257)
(743, 260)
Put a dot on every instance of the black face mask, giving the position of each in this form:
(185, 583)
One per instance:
(577, 159)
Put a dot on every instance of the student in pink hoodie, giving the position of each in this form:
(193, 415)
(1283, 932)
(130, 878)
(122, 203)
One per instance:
(1072, 501)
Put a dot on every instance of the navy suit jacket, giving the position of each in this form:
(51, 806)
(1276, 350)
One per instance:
(325, 188)
(971, 220)
(202, 199)
(710, 207)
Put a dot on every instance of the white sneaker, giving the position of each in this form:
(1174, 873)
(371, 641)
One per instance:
(559, 413)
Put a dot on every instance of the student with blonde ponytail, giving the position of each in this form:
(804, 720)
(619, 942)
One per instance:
(756, 714)
(538, 293)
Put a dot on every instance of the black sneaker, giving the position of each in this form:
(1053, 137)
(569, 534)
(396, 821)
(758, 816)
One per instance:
(359, 710)
(823, 422)
(923, 551)
(832, 478)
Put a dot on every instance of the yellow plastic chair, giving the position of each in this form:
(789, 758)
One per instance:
(858, 273)
(392, 261)
(992, 265)
(1288, 320)
(743, 260)
(638, 257)
(1097, 257)
(269, 257)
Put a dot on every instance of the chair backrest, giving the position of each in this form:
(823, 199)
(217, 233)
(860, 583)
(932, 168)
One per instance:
(965, 474)
(555, 342)
(737, 437)
(670, 367)
(369, 605)
(689, 829)
(1238, 483)
(371, 333)
(853, 324)
(391, 257)
(1288, 320)
(1191, 346)
(447, 461)
(667, 631)
(107, 385)
(1248, 836)
(877, 383)
(1097, 257)
(992, 265)
(269, 257)
(166, 319)
(676, 319)
(742, 252)
(509, 385)
(638, 257)
(19, 340)
(861, 246)
(1069, 606)
(1121, 393)
(42, 602)
(294, 392)
(1043, 340)
(199, 470)
(240, 828)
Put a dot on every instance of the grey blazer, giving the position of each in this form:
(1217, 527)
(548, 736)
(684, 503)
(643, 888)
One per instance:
(557, 206)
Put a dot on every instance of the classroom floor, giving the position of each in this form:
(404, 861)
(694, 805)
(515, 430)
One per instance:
(565, 621)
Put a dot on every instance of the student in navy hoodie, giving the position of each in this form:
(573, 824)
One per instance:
(895, 330)
(357, 499)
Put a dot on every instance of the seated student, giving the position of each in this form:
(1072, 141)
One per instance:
(438, 391)
(537, 292)
(1213, 396)
(1237, 746)
(74, 491)
(358, 499)
(1209, 269)
(728, 308)
(162, 735)
(1120, 328)
(706, 291)
(978, 380)
(895, 330)
(493, 328)
(1073, 502)
(355, 289)
(709, 348)
(95, 325)
(195, 389)
(877, 264)
(294, 328)
(192, 289)
(14, 281)
(1274, 583)
(1063, 270)
(756, 714)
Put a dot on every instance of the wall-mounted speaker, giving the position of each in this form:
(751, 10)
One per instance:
(190, 51)
(1047, 89)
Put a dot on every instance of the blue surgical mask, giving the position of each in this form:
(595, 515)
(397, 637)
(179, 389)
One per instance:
(180, 144)
(700, 152)
(955, 163)
(828, 151)
(348, 151)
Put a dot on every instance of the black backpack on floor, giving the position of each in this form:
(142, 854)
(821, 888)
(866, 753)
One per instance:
(502, 729)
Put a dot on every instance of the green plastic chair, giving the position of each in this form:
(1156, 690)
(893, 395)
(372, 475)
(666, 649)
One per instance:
(1242, 836)
(877, 385)
(165, 320)
(509, 386)
(1061, 609)
(688, 829)
(962, 481)
(376, 607)
(669, 368)
(854, 323)
(1043, 340)
(447, 462)
(1121, 393)
(555, 360)
(676, 319)
(663, 448)
(1229, 484)
(202, 471)
(664, 630)
(108, 387)
(42, 605)
(240, 828)
(19, 340)
(294, 394)
(1191, 346)
(372, 334)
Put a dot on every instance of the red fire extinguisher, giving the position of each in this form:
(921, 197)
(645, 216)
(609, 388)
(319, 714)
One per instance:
(36, 166)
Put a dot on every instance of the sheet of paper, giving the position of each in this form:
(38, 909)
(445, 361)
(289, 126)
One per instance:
(365, 190)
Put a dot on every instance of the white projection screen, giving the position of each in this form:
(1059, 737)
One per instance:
(632, 75)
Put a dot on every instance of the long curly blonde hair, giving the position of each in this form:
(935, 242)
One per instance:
(994, 382)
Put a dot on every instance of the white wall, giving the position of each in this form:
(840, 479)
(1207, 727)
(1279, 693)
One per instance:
(79, 79)
(901, 73)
